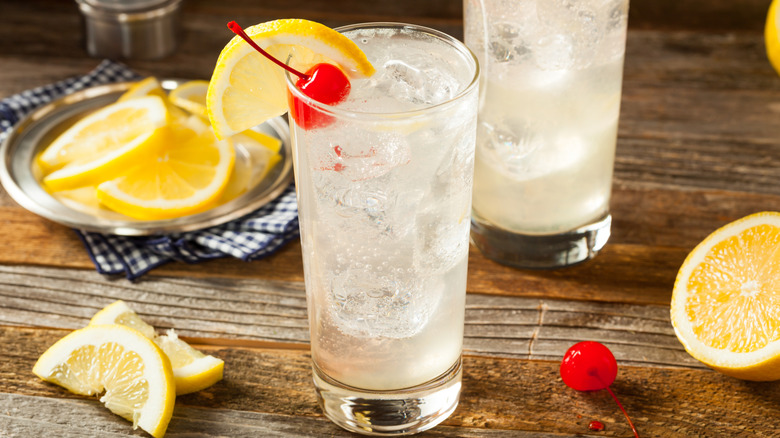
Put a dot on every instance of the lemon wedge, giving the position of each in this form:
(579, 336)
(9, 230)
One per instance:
(246, 89)
(134, 373)
(192, 370)
(191, 96)
(120, 313)
(103, 143)
(725, 305)
(184, 175)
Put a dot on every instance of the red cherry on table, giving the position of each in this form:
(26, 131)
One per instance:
(588, 366)
(324, 83)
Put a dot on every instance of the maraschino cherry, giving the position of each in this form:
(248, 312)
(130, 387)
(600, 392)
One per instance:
(323, 82)
(590, 366)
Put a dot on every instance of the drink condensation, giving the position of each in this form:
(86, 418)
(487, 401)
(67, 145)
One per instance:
(385, 197)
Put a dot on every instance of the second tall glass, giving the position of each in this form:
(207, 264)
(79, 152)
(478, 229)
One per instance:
(552, 73)
(384, 193)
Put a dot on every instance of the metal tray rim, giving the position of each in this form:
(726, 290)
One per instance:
(17, 178)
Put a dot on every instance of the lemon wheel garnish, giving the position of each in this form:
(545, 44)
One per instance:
(134, 373)
(725, 306)
(103, 143)
(185, 175)
(192, 370)
(246, 89)
(772, 35)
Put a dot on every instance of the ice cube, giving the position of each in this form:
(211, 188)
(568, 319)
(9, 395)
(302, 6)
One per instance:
(554, 52)
(365, 302)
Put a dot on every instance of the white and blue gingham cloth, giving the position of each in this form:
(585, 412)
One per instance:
(251, 237)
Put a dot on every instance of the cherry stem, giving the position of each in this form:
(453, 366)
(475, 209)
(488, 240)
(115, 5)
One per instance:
(236, 29)
(630, 423)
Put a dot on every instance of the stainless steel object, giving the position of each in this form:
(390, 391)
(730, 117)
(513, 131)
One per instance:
(130, 29)
(39, 128)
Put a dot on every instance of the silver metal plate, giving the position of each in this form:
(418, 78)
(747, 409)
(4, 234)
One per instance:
(40, 128)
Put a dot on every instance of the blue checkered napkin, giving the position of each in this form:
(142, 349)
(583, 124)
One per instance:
(251, 237)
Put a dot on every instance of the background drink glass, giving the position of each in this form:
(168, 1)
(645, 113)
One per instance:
(550, 99)
(384, 191)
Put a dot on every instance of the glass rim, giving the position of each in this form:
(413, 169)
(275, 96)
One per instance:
(335, 111)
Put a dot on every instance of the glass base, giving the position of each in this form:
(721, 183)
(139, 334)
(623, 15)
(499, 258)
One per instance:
(541, 251)
(396, 412)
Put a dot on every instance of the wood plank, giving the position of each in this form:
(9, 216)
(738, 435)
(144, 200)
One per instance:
(723, 15)
(25, 416)
(653, 230)
(262, 313)
(499, 393)
(694, 60)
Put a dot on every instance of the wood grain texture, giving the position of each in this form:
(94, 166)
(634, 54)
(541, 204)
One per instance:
(653, 231)
(698, 147)
(262, 313)
(499, 393)
(27, 416)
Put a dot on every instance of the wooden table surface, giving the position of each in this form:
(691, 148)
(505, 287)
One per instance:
(699, 146)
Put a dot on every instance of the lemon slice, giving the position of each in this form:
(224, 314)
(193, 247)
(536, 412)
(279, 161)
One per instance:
(147, 87)
(134, 373)
(725, 306)
(772, 35)
(103, 143)
(185, 175)
(152, 87)
(246, 88)
(191, 96)
(192, 370)
(271, 143)
(262, 155)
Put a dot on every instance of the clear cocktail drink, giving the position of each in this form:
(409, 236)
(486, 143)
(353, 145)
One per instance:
(384, 190)
(552, 73)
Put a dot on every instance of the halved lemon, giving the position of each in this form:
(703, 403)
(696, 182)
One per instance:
(772, 35)
(191, 96)
(134, 373)
(192, 370)
(725, 306)
(184, 175)
(103, 143)
(246, 89)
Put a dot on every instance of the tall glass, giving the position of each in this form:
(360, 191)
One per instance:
(384, 195)
(550, 99)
